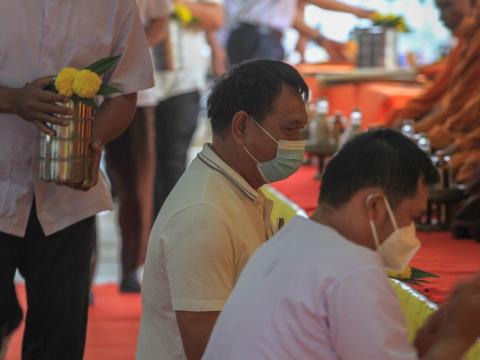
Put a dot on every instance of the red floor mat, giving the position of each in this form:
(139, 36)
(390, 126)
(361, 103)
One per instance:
(112, 326)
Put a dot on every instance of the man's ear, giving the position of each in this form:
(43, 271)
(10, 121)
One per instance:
(238, 128)
(375, 206)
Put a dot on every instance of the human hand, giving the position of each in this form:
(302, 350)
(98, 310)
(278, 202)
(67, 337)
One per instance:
(96, 148)
(335, 50)
(461, 317)
(36, 105)
(427, 335)
(365, 14)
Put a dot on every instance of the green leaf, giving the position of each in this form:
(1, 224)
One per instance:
(420, 274)
(103, 65)
(107, 90)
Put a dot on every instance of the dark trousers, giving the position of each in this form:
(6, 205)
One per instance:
(56, 272)
(250, 42)
(130, 165)
(175, 123)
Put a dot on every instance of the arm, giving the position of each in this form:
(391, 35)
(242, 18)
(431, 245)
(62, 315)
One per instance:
(219, 57)
(111, 120)
(156, 31)
(210, 15)
(333, 48)
(341, 7)
(195, 329)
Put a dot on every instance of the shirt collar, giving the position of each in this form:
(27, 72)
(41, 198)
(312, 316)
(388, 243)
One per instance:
(211, 159)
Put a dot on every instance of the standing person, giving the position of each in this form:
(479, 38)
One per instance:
(216, 215)
(178, 91)
(131, 160)
(46, 229)
(257, 27)
(319, 290)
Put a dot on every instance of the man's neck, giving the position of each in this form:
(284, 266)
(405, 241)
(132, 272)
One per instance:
(225, 152)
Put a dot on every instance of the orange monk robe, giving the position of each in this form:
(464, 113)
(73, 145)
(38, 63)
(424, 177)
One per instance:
(462, 86)
(420, 106)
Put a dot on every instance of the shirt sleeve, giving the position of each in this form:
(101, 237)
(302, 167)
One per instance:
(133, 71)
(158, 8)
(199, 259)
(365, 319)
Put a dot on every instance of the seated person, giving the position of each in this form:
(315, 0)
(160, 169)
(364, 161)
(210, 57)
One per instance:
(455, 16)
(318, 289)
(216, 215)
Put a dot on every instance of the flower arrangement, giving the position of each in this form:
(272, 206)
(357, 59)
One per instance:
(390, 21)
(183, 14)
(84, 84)
(412, 275)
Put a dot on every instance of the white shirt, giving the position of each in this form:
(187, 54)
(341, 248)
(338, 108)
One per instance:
(44, 36)
(208, 228)
(308, 293)
(278, 14)
(151, 10)
(194, 61)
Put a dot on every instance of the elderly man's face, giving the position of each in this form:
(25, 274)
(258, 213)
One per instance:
(452, 12)
(285, 122)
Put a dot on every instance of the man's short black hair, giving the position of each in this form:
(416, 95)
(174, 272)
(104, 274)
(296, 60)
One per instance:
(252, 87)
(378, 158)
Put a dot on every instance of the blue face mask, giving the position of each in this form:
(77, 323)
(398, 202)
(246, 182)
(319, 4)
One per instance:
(289, 158)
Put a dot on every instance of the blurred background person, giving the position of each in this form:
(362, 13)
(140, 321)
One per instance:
(130, 161)
(179, 86)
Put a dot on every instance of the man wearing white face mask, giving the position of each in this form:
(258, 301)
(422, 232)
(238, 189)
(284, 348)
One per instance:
(318, 289)
(216, 216)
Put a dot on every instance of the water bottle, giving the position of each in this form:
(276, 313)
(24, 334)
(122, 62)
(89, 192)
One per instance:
(408, 128)
(354, 128)
(318, 128)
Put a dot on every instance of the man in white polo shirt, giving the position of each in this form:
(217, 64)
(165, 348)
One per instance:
(318, 289)
(216, 216)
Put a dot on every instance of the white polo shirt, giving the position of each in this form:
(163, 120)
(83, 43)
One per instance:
(278, 14)
(308, 293)
(209, 226)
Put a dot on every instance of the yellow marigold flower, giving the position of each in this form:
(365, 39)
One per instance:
(405, 274)
(183, 13)
(86, 84)
(376, 17)
(64, 81)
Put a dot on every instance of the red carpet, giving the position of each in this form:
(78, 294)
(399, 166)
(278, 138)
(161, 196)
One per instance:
(112, 326)
(451, 259)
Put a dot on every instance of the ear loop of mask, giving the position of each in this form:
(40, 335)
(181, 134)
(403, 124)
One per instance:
(372, 224)
(390, 214)
(261, 127)
(265, 131)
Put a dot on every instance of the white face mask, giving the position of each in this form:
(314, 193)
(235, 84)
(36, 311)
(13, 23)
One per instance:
(400, 247)
(289, 158)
